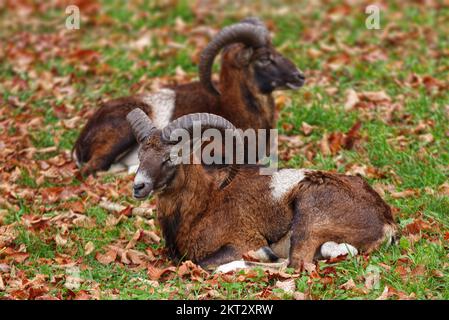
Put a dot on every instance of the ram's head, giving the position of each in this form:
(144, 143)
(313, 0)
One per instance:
(247, 47)
(158, 161)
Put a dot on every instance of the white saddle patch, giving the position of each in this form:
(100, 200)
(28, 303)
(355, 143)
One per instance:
(285, 180)
(330, 250)
(162, 104)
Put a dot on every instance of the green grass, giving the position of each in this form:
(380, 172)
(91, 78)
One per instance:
(407, 163)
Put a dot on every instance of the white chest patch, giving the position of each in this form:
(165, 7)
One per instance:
(162, 104)
(285, 180)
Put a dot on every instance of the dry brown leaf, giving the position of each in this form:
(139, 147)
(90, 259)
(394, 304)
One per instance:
(306, 128)
(444, 189)
(371, 280)
(348, 285)
(150, 237)
(352, 99)
(426, 138)
(375, 96)
(111, 206)
(437, 273)
(420, 270)
(60, 241)
(416, 227)
(89, 248)
(2, 284)
(107, 257)
(287, 286)
(404, 194)
(299, 295)
(143, 212)
(384, 295)
(155, 273)
(135, 256)
(309, 267)
(72, 282)
(324, 145)
(133, 240)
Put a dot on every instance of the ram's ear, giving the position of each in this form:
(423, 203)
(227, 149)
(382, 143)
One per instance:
(244, 56)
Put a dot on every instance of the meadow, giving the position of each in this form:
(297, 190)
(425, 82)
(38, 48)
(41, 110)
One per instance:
(375, 103)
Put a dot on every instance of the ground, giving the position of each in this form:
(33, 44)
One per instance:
(376, 103)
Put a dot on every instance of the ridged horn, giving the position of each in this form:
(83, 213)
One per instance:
(186, 122)
(247, 33)
(141, 124)
(255, 21)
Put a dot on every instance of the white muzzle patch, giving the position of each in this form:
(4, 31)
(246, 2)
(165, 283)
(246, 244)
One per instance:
(141, 177)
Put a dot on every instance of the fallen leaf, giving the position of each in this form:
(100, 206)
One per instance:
(426, 138)
(375, 96)
(419, 270)
(60, 241)
(89, 248)
(404, 194)
(155, 273)
(111, 206)
(287, 286)
(348, 285)
(107, 257)
(384, 294)
(2, 284)
(416, 227)
(352, 99)
(133, 240)
(306, 128)
(299, 295)
(150, 237)
(82, 295)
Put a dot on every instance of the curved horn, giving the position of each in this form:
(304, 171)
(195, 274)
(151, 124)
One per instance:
(186, 122)
(248, 33)
(254, 21)
(141, 124)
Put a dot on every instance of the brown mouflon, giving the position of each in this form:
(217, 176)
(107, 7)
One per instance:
(251, 69)
(293, 212)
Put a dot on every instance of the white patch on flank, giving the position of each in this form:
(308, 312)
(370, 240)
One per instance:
(162, 103)
(285, 180)
(141, 178)
(131, 160)
(128, 161)
(232, 266)
(330, 250)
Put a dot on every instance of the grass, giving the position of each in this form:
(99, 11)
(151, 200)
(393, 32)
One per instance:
(407, 161)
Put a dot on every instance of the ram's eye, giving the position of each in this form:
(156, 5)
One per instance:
(166, 161)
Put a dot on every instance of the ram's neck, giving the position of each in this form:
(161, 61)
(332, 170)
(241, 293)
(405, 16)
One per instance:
(240, 95)
(181, 204)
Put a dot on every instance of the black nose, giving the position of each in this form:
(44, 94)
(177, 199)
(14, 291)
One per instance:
(138, 187)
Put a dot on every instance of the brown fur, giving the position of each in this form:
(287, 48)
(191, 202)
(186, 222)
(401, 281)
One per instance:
(107, 134)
